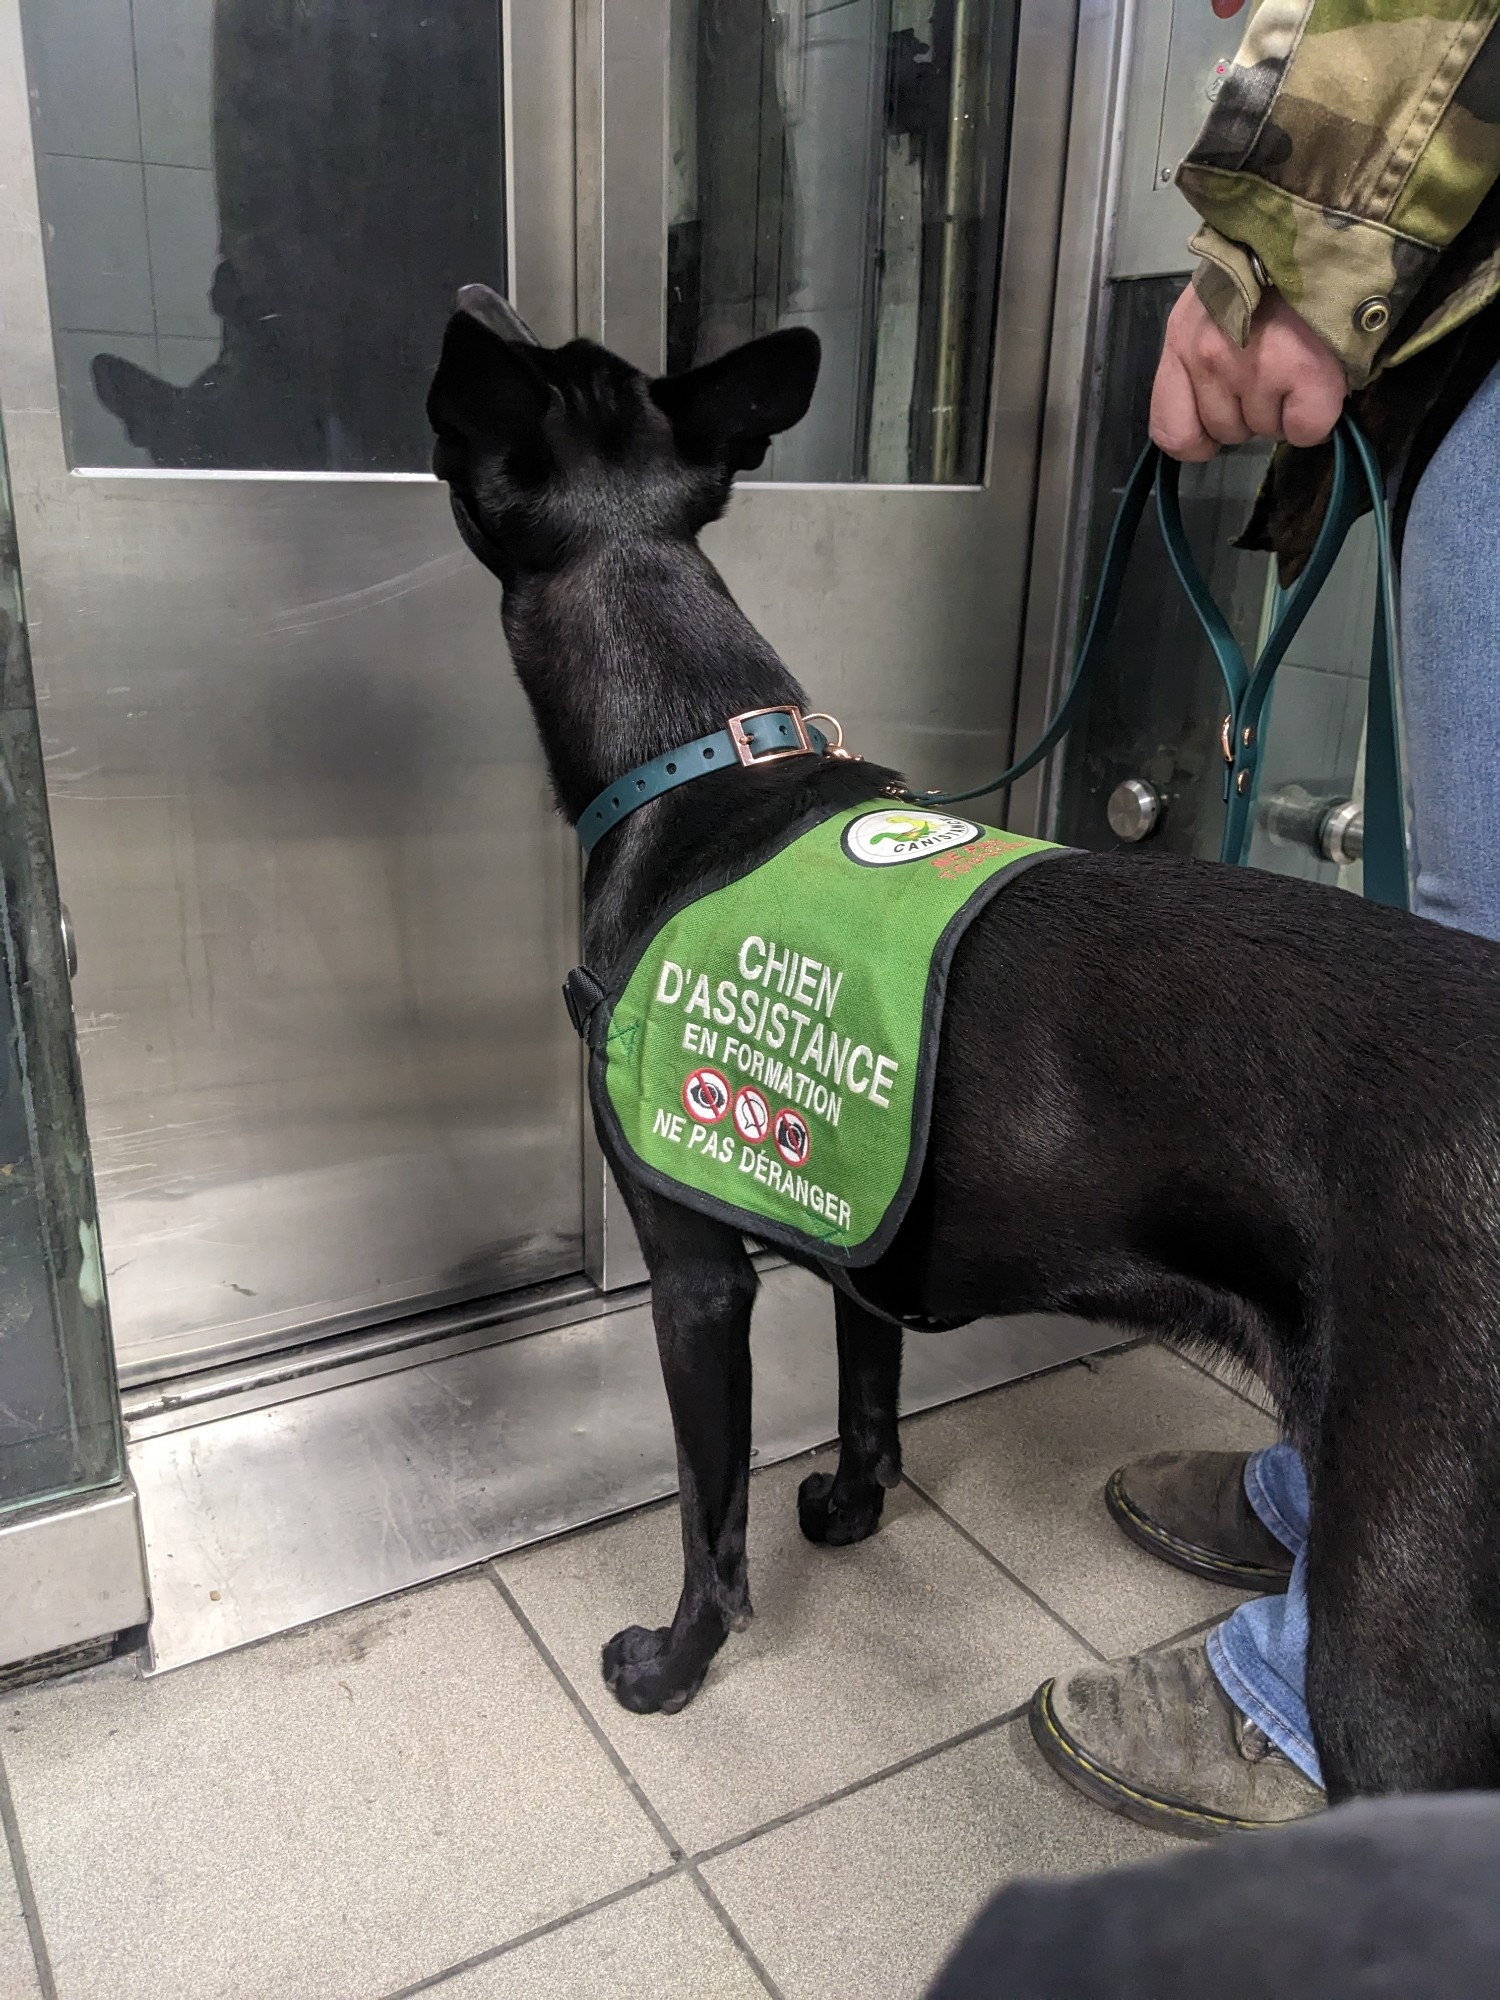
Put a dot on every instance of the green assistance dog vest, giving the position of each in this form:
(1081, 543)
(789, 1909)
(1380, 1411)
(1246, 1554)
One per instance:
(769, 1057)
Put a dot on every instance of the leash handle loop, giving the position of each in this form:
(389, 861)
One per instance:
(1248, 686)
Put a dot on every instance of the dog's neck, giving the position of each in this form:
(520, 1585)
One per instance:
(624, 653)
(627, 651)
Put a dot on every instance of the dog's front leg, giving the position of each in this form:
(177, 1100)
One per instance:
(703, 1288)
(845, 1506)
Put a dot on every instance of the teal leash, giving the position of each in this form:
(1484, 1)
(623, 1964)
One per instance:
(1091, 652)
(768, 735)
(1248, 687)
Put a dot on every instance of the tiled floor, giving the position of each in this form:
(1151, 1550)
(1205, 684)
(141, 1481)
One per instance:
(17, 1971)
(437, 1794)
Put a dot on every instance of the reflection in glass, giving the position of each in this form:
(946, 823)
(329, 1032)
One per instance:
(842, 166)
(59, 1429)
(257, 214)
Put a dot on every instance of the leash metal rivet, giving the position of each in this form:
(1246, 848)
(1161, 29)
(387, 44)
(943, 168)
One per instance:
(1249, 736)
(1242, 782)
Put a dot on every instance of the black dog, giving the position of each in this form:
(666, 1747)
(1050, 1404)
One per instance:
(1246, 1113)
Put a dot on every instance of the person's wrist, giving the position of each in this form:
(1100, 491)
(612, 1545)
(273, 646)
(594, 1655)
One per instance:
(1348, 278)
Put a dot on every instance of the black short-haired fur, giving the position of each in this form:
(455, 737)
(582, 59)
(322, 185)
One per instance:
(1254, 1116)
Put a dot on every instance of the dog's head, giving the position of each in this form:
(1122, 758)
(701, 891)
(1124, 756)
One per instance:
(548, 451)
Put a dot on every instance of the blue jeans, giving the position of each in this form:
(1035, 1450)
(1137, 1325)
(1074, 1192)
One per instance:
(1450, 711)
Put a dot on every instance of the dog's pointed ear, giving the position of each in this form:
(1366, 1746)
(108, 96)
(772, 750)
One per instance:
(727, 411)
(486, 387)
(495, 312)
(144, 403)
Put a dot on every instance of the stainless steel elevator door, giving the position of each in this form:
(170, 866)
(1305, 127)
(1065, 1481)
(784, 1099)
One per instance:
(321, 903)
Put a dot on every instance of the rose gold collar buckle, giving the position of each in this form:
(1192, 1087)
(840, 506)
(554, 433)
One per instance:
(746, 751)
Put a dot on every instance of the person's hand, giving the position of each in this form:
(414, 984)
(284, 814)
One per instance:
(1284, 384)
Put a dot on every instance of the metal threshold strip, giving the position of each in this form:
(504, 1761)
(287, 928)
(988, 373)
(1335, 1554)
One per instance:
(174, 1402)
(300, 1490)
(315, 1365)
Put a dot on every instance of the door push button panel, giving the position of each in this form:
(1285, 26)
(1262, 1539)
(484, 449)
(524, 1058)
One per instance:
(1181, 55)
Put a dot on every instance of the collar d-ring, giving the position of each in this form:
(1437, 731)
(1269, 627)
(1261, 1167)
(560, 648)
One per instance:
(836, 741)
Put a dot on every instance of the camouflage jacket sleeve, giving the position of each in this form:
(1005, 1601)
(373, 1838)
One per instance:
(1350, 143)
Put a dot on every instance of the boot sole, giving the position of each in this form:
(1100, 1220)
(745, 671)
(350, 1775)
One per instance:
(1115, 1794)
(1197, 1561)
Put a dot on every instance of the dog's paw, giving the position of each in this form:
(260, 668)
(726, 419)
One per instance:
(643, 1674)
(850, 1519)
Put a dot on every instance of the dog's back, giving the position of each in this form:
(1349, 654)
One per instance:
(1253, 1082)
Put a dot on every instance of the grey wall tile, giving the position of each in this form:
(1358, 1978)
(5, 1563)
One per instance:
(98, 265)
(182, 359)
(329, 1816)
(1340, 625)
(182, 215)
(174, 69)
(82, 70)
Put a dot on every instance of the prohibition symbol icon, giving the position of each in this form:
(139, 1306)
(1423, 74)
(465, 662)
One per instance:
(705, 1096)
(752, 1115)
(792, 1139)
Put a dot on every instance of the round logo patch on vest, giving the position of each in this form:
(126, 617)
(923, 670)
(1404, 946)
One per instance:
(904, 833)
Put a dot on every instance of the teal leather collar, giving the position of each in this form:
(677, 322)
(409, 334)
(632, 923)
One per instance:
(757, 736)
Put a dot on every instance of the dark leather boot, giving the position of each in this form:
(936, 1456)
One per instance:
(1189, 1508)
(1156, 1739)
